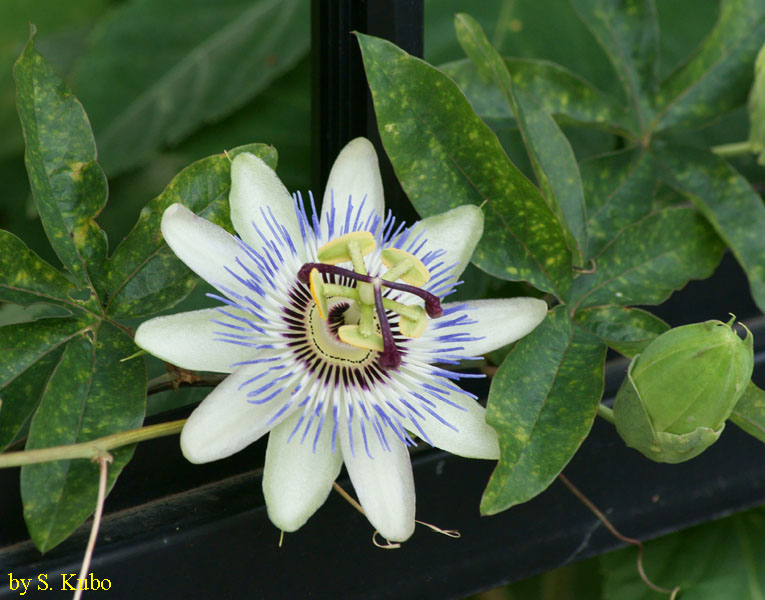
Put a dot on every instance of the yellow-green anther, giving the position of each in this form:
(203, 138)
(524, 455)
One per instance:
(413, 328)
(351, 335)
(318, 293)
(338, 251)
(405, 266)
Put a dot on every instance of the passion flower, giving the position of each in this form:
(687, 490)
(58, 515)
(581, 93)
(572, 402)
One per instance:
(336, 338)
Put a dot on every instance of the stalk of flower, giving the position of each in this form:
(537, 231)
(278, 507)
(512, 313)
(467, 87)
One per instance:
(336, 335)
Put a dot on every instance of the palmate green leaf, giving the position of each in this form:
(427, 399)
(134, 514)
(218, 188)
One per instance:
(68, 185)
(542, 403)
(618, 190)
(626, 330)
(555, 89)
(26, 279)
(551, 155)
(720, 560)
(61, 379)
(90, 394)
(749, 413)
(29, 351)
(144, 275)
(181, 63)
(445, 156)
(718, 76)
(727, 200)
(628, 32)
(650, 259)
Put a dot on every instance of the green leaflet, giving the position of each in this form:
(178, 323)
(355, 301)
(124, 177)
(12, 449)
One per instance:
(628, 33)
(445, 156)
(650, 259)
(26, 279)
(189, 63)
(25, 343)
(749, 413)
(144, 275)
(618, 190)
(727, 200)
(29, 353)
(555, 89)
(90, 394)
(626, 330)
(721, 560)
(542, 403)
(551, 155)
(717, 78)
(69, 186)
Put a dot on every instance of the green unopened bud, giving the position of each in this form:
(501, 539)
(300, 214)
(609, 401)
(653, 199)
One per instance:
(678, 393)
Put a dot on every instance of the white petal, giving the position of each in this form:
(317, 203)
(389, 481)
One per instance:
(473, 438)
(499, 322)
(256, 190)
(189, 341)
(225, 422)
(384, 484)
(455, 232)
(205, 248)
(356, 175)
(297, 479)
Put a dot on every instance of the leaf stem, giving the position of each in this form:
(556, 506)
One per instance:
(103, 464)
(173, 381)
(615, 532)
(606, 413)
(94, 449)
(734, 149)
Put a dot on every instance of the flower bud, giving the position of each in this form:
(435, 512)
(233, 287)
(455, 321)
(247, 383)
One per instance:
(680, 390)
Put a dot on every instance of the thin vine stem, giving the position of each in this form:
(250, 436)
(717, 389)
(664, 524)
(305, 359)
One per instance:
(165, 382)
(620, 536)
(103, 464)
(93, 449)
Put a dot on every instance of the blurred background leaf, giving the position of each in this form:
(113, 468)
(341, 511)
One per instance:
(64, 26)
(189, 62)
(721, 560)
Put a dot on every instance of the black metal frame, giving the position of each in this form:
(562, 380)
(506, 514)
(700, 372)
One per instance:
(175, 530)
(341, 102)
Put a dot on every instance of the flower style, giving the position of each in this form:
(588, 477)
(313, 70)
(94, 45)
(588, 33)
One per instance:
(333, 330)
